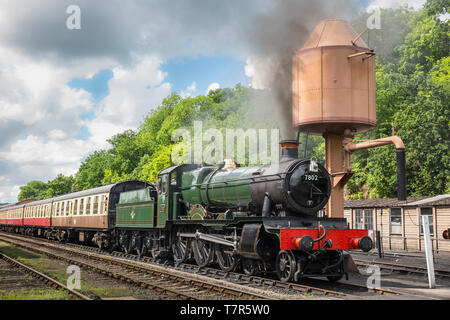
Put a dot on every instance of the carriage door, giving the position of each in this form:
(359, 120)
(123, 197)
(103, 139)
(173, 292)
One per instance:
(163, 204)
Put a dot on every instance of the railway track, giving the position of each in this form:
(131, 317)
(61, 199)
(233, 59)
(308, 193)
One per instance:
(152, 277)
(410, 269)
(51, 282)
(316, 288)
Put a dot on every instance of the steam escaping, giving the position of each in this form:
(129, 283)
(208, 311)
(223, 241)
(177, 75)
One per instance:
(274, 36)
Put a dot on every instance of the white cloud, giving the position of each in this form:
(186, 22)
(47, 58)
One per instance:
(37, 106)
(57, 134)
(213, 86)
(133, 93)
(189, 90)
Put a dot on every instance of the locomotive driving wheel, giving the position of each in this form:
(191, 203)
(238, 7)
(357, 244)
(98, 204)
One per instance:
(225, 258)
(181, 249)
(285, 266)
(203, 252)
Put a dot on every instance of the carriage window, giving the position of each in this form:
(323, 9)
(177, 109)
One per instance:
(81, 206)
(88, 205)
(75, 208)
(102, 203)
(95, 205)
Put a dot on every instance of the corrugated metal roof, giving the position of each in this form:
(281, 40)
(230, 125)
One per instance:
(394, 202)
(443, 199)
(378, 203)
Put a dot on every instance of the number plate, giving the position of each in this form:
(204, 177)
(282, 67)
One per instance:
(310, 177)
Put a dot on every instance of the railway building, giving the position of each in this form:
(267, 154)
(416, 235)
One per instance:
(399, 222)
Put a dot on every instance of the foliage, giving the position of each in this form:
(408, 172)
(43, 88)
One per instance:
(33, 190)
(60, 185)
(412, 94)
(41, 190)
(92, 171)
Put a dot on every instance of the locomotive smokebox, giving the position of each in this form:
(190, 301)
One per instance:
(289, 150)
(333, 81)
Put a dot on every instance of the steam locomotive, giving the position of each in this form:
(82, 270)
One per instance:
(258, 219)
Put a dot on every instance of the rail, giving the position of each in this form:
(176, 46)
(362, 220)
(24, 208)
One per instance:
(42, 276)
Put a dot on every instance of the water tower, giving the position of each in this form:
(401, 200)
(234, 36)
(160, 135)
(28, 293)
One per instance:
(333, 95)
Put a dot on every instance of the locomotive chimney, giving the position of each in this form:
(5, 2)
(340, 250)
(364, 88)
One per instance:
(289, 149)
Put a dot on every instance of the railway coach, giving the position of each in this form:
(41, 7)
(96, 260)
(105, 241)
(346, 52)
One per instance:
(83, 216)
(11, 218)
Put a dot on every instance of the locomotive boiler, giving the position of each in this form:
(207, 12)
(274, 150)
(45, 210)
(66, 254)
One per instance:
(291, 187)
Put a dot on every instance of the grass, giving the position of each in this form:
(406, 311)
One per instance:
(33, 294)
(33, 260)
(45, 265)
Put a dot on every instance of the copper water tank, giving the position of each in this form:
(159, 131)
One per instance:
(333, 86)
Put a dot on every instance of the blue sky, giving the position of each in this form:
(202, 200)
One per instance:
(183, 71)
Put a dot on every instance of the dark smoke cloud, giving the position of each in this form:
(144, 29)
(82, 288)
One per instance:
(279, 32)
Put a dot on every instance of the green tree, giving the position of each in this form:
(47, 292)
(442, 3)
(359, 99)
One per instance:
(124, 155)
(60, 185)
(413, 93)
(33, 190)
(92, 171)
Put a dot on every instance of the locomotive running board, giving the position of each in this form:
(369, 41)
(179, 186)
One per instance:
(209, 238)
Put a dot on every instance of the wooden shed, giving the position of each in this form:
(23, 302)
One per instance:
(400, 221)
